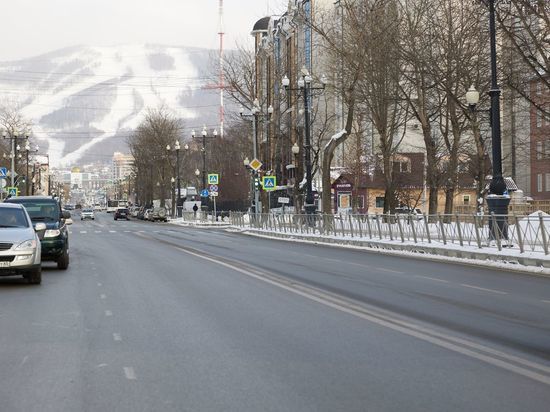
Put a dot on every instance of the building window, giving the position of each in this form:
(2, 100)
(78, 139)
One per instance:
(538, 149)
(548, 182)
(380, 202)
(547, 149)
(539, 183)
(401, 167)
(344, 200)
(360, 202)
(466, 200)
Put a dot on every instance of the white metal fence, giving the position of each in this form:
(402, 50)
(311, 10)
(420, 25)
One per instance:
(522, 233)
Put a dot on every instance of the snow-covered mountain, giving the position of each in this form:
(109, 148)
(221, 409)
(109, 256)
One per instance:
(85, 101)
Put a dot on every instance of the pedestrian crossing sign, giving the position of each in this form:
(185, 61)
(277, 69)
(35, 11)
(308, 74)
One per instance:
(3, 172)
(12, 191)
(213, 179)
(269, 183)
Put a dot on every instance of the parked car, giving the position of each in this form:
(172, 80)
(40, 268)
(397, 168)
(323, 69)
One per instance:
(87, 214)
(20, 251)
(148, 214)
(46, 209)
(159, 214)
(141, 213)
(122, 213)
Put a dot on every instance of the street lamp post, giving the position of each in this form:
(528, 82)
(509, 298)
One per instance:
(497, 200)
(27, 152)
(172, 181)
(177, 149)
(254, 116)
(305, 88)
(204, 135)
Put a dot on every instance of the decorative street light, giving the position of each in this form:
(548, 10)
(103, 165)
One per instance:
(305, 88)
(27, 151)
(204, 135)
(172, 181)
(497, 200)
(177, 149)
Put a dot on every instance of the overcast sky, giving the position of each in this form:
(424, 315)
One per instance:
(32, 27)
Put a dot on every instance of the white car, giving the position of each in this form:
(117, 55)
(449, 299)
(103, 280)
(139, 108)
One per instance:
(87, 214)
(20, 243)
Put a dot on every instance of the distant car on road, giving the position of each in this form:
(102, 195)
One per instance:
(148, 214)
(20, 251)
(159, 213)
(46, 209)
(122, 213)
(87, 214)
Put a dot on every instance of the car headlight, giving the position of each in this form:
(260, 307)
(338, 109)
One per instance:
(27, 245)
(52, 233)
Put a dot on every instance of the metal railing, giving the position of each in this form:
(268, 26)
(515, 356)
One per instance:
(522, 233)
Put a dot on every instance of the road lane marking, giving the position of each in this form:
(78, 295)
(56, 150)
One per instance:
(546, 301)
(100, 284)
(108, 313)
(390, 271)
(483, 289)
(103, 296)
(430, 278)
(130, 373)
(112, 231)
(25, 359)
(117, 337)
(127, 231)
(458, 345)
(83, 231)
(97, 231)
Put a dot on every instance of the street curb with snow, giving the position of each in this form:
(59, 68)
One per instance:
(489, 259)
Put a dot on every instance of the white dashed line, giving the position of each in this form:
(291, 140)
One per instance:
(130, 373)
(97, 231)
(83, 231)
(103, 296)
(100, 284)
(112, 231)
(436, 279)
(389, 271)
(117, 337)
(484, 289)
(546, 301)
(127, 231)
(108, 313)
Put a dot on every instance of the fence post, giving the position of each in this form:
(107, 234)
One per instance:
(478, 235)
(400, 228)
(368, 226)
(379, 226)
(342, 225)
(388, 221)
(413, 228)
(350, 224)
(543, 232)
(358, 218)
(442, 227)
(519, 235)
(427, 225)
(497, 231)
(459, 230)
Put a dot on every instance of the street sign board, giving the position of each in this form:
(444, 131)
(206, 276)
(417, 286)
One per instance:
(213, 179)
(255, 164)
(3, 172)
(214, 194)
(269, 183)
(204, 193)
(284, 200)
(12, 191)
(213, 188)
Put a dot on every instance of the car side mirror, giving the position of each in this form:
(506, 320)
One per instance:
(66, 215)
(40, 229)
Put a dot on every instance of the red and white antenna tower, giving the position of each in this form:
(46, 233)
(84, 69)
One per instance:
(221, 81)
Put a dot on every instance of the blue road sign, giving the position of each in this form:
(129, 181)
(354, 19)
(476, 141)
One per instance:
(3, 172)
(269, 182)
(204, 193)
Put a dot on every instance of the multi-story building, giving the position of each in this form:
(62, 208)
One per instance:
(122, 165)
(540, 142)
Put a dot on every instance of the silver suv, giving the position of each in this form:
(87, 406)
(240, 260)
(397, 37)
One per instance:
(20, 244)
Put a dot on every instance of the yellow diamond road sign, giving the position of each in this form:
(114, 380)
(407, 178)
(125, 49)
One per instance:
(255, 164)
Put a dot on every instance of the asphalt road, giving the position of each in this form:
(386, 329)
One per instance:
(155, 317)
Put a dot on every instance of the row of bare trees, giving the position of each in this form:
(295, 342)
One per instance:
(155, 166)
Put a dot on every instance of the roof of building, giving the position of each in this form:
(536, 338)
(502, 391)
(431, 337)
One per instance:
(261, 25)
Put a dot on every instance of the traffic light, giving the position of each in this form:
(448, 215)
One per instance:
(257, 185)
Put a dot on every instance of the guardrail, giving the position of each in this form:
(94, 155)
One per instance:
(522, 233)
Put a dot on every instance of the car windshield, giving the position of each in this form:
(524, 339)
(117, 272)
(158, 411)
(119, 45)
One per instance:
(10, 218)
(87, 211)
(40, 210)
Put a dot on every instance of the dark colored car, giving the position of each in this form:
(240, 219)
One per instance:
(122, 213)
(46, 209)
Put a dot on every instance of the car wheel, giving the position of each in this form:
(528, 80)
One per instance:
(63, 261)
(34, 276)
